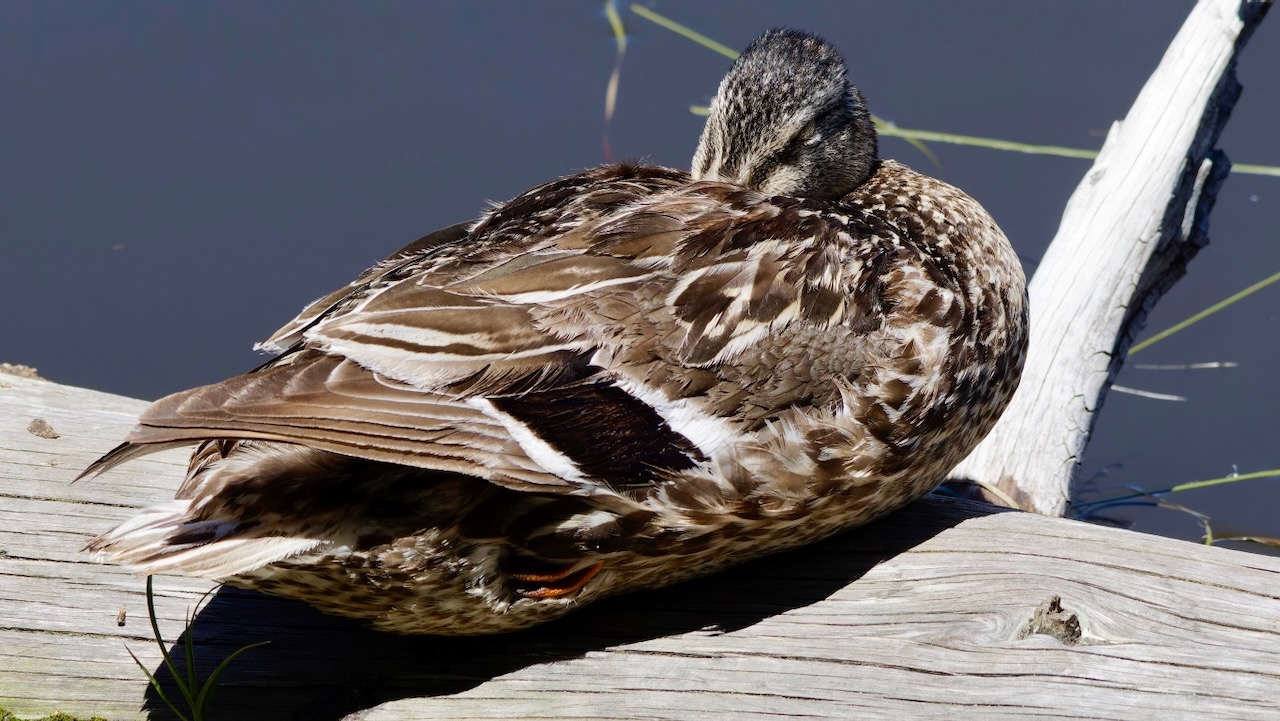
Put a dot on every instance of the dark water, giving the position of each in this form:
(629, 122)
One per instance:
(178, 179)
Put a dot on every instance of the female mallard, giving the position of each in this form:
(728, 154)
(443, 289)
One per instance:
(621, 379)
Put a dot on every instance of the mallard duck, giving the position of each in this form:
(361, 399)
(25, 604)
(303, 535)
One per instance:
(618, 380)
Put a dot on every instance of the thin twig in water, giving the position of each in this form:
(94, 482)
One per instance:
(1184, 366)
(1147, 394)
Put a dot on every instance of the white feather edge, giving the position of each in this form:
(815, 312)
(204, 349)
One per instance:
(708, 433)
(538, 450)
(141, 544)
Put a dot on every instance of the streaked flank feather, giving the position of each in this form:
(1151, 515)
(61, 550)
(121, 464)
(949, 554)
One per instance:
(620, 379)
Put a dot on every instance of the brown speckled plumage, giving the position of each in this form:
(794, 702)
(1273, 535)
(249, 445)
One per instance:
(618, 380)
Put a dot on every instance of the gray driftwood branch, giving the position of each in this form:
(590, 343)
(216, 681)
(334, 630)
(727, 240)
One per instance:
(948, 609)
(1136, 219)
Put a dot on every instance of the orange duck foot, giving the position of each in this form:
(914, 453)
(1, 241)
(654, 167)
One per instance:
(553, 581)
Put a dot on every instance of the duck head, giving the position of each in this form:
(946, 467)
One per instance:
(787, 121)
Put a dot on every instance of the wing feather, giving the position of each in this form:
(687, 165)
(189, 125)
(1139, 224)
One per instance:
(439, 357)
(291, 333)
(332, 404)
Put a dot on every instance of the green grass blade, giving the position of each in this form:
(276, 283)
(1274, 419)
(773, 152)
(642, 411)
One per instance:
(1180, 487)
(615, 24)
(1205, 313)
(189, 652)
(684, 31)
(155, 683)
(197, 709)
(890, 129)
(913, 142)
(212, 681)
(1060, 151)
(1225, 480)
(168, 660)
(1251, 169)
(1261, 540)
(615, 77)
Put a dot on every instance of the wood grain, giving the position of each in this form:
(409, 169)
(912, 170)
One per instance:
(922, 615)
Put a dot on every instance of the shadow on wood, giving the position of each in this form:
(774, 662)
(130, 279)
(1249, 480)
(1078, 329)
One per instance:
(324, 668)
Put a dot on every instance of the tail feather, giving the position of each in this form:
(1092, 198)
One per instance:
(165, 539)
(126, 452)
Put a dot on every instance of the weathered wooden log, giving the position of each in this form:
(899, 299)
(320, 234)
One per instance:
(938, 611)
(1133, 223)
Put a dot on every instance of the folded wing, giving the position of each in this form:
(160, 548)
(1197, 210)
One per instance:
(502, 354)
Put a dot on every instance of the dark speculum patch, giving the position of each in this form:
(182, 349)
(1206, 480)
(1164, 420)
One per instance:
(607, 432)
(193, 537)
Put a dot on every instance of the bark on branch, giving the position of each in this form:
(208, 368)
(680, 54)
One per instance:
(1136, 219)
